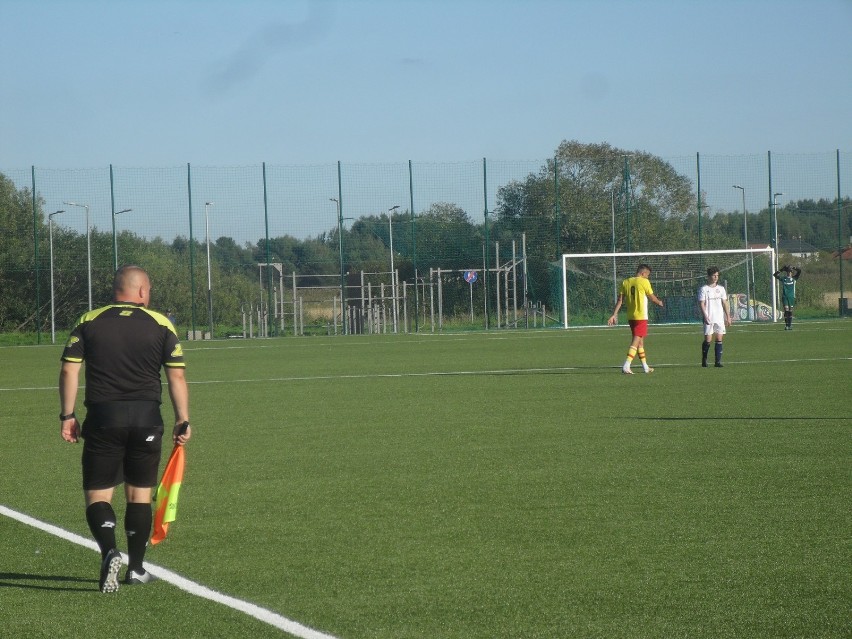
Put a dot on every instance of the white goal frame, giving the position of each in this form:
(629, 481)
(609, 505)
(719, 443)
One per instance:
(773, 266)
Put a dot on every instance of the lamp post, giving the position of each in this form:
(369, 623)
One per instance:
(115, 238)
(207, 206)
(340, 252)
(393, 272)
(88, 246)
(612, 218)
(775, 224)
(52, 310)
(775, 240)
(748, 256)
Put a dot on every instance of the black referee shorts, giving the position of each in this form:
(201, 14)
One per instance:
(122, 443)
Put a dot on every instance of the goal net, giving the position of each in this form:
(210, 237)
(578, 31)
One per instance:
(590, 284)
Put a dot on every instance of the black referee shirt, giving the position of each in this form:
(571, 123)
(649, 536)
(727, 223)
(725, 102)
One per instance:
(124, 346)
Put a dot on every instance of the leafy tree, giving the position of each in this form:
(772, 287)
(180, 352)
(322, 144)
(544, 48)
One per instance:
(816, 222)
(16, 256)
(572, 203)
(446, 234)
(367, 245)
(232, 257)
(592, 179)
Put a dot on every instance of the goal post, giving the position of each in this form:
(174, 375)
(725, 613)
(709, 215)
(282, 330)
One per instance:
(590, 284)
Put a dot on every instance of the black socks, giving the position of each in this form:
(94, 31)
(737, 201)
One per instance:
(101, 519)
(137, 524)
(138, 519)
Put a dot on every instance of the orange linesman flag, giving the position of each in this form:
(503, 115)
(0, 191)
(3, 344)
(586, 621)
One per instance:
(167, 495)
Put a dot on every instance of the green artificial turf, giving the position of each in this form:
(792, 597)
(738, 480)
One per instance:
(504, 484)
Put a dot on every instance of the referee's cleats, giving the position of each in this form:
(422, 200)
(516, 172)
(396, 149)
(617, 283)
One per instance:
(109, 571)
(133, 578)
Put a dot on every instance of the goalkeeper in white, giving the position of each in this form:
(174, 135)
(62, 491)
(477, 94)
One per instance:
(713, 303)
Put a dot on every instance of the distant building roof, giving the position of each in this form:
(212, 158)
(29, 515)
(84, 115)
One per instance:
(846, 254)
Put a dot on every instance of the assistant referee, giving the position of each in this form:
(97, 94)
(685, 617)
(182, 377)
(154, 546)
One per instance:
(124, 346)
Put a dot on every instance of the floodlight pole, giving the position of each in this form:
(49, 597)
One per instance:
(775, 215)
(775, 236)
(749, 304)
(52, 309)
(115, 238)
(207, 206)
(340, 252)
(88, 246)
(614, 273)
(393, 272)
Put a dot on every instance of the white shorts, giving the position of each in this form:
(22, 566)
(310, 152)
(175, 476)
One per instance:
(714, 328)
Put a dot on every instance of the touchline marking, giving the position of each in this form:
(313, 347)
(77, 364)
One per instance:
(458, 373)
(261, 614)
(500, 371)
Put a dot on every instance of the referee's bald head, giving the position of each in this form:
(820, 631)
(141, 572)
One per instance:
(131, 284)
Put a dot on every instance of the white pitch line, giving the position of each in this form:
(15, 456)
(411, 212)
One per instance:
(261, 614)
(497, 371)
(458, 373)
(311, 378)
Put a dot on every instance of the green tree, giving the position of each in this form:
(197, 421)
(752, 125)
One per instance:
(573, 202)
(17, 257)
(447, 236)
(367, 245)
(592, 179)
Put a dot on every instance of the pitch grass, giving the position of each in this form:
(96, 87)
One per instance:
(470, 486)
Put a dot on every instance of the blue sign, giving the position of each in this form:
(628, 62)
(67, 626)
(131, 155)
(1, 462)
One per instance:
(470, 277)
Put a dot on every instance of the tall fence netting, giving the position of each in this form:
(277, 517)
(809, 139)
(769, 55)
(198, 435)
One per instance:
(349, 248)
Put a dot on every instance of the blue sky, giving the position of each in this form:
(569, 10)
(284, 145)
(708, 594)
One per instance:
(160, 83)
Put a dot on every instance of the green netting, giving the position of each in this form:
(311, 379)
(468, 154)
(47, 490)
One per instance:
(286, 242)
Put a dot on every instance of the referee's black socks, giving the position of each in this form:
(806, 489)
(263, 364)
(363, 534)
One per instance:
(101, 519)
(137, 524)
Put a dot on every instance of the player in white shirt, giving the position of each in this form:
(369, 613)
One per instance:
(713, 303)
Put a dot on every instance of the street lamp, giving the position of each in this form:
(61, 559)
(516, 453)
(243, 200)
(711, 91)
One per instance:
(340, 251)
(115, 238)
(748, 256)
(393, 272)
(775, 235)
(88, 246)
(775, 213)
(207, 206)
(52, 310)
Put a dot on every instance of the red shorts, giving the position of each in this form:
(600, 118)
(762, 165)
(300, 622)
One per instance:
(639, 328)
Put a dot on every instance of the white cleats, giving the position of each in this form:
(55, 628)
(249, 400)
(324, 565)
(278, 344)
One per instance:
(133, 578)
(109, 571)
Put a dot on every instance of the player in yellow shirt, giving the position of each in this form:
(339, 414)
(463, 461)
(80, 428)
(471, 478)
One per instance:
(636, 291)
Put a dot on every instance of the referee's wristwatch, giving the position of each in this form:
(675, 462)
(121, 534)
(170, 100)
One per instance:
(70, 415)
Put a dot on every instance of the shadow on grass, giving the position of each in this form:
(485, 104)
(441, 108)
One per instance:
(9, 579)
